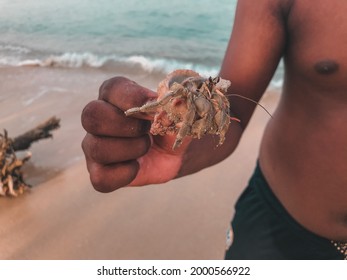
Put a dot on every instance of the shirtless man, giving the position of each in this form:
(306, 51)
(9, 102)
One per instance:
(296, 204)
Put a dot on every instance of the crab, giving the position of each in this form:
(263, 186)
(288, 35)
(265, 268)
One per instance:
(189, 105)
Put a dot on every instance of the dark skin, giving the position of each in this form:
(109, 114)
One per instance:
(303, 153)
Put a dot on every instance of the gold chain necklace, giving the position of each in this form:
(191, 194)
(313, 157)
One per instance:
(341, 247)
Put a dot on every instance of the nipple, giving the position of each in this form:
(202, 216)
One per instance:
(326, 67)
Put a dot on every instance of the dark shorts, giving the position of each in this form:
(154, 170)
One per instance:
(263, 229)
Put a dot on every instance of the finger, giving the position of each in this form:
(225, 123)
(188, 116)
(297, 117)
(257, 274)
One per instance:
(106, 150)
(104, 119)
(124, 93)
(107, 178)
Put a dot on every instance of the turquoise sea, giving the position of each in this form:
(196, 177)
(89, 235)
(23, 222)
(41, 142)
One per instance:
(149, 35)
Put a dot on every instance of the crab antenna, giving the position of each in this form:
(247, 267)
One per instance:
(249, 99)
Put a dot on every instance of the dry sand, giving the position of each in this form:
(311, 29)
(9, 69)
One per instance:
(63, 217)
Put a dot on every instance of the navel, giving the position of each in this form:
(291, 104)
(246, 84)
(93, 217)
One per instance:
(326, 67)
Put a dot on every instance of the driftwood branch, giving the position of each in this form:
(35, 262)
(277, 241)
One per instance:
(42, 131)
(11, 177)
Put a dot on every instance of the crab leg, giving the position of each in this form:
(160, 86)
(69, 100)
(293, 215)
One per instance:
(187, 123)
(10, 185)
(2, 190)
(153, 105)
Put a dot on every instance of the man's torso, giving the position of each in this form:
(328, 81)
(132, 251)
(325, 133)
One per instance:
(304, 149)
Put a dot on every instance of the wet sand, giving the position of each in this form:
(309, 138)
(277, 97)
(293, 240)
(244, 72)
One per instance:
(63, 217)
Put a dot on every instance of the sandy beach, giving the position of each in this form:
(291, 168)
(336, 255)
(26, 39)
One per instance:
(63, 217)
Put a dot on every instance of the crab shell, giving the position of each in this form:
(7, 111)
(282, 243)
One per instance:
(168, 119)
(210, 107)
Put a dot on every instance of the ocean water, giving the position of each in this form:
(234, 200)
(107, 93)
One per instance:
(124, 36)
(149, 35)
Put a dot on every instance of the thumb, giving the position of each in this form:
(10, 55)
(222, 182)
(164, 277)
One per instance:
(126, 94)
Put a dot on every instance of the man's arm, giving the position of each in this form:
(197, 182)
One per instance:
(120, 151)
(253, 53)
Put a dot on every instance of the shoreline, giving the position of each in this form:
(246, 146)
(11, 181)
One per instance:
(63, 217)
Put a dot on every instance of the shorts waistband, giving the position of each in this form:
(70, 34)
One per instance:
(263, 188)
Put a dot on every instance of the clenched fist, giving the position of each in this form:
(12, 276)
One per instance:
(119, 150)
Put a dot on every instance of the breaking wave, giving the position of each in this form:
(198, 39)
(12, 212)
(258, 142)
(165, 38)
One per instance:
(18, 56)
(137, 63)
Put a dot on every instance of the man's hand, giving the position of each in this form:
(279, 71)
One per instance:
(119, 150)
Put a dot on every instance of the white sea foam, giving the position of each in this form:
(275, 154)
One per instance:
(75, 60)
(167, 65)
(28, 62)
(15, 49)
(276, 83)
(42, 92)
(19, 56)
(114, 63)
(87, 59)
(9, 61)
